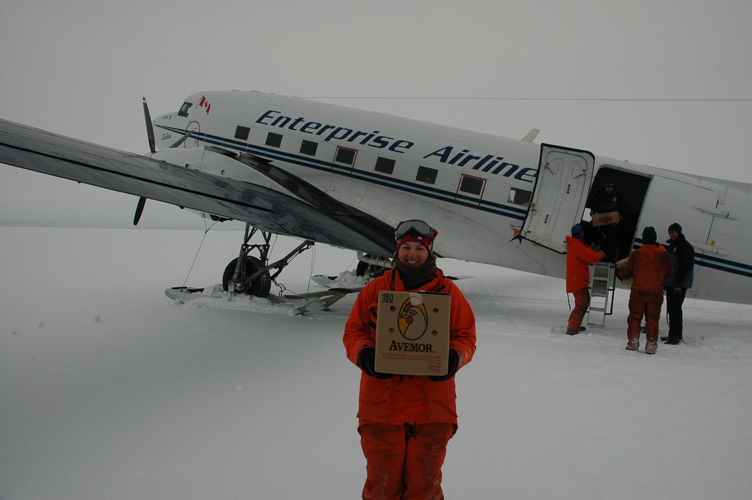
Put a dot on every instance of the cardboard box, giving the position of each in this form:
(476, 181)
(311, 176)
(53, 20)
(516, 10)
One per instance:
(412, 333)
(606, 218)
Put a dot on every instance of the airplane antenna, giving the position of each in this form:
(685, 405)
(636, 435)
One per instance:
(530, 136)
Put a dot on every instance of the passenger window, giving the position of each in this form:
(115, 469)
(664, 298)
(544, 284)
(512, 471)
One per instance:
(519, 197)
(274, 140)
(472, 185)
(242, 133)
(345, 155)
(427, 175)
(384, 165)
(309, 148)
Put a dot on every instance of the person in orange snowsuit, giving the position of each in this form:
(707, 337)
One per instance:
(405, 422)
(649, 265)
(579, 258)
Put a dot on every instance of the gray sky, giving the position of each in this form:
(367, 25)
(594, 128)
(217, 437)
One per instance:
(80, 67)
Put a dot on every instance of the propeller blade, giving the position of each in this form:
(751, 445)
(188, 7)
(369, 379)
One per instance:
(139, 210)
(149, 128)
(153, 149)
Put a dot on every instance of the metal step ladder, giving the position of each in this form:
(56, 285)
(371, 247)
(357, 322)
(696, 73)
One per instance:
(601, 287)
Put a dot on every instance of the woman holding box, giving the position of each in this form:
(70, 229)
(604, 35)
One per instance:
(406, 421)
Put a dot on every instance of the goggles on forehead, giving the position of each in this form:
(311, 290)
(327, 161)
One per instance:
(414, 227)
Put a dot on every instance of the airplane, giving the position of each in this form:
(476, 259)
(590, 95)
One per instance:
(346, 177)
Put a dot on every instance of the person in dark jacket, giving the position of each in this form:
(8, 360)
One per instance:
(649, 265)
(683, 258)
(606, 200)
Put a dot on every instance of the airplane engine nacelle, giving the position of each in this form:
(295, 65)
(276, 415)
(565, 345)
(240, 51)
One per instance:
(211, 160)
(219, 162)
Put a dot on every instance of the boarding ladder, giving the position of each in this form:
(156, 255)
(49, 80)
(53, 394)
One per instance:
(601, 287)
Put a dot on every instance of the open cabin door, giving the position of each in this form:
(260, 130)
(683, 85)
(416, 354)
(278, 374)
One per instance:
(559, 196)
(693, 206)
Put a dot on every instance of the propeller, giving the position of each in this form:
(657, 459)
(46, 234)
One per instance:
(149, 128)
(139, 210)
(153, 149)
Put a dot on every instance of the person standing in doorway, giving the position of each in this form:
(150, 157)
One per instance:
(607, 200)
(683, 258)
(579, 258)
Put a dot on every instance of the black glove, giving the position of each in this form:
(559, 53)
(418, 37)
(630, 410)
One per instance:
(454, 360)
(367, 361)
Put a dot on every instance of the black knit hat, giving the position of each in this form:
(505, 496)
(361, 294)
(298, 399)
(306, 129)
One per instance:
(649, 235)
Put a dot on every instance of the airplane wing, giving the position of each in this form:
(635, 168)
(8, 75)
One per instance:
(307, 212)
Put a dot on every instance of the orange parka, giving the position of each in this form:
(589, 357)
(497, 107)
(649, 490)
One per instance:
(407, 398)
(579, 258)
(650, 265)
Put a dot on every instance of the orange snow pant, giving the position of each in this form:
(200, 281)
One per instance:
(648, 304)
(404, 461)
(581, 304)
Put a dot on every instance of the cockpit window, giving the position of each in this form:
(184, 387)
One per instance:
(184, 108)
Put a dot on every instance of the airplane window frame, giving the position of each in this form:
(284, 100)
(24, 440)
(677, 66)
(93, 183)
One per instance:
(185, 108)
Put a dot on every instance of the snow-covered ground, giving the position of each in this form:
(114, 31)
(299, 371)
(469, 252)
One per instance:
(109, 390)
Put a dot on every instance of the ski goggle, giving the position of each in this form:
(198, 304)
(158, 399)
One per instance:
(416, 228)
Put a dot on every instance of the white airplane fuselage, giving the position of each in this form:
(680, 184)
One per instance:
(485, 194)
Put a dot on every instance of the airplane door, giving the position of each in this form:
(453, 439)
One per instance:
(559, 196)
(670, 201)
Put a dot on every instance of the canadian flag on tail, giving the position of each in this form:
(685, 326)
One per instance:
(205, 104)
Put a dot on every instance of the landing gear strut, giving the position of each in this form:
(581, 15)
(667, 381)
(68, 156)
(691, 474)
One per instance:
(251, 275)
(371, 265)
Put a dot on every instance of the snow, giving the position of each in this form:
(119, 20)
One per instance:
(110, 390)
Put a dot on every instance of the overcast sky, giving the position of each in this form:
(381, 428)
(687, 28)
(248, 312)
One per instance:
(664, 83)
